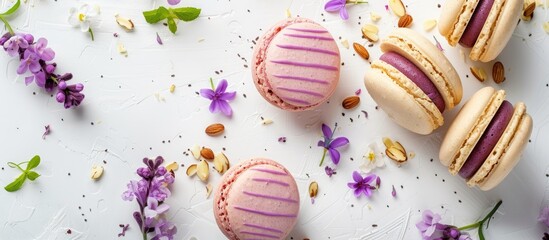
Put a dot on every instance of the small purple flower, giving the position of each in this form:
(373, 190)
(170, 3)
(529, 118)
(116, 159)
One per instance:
(70, 95)
(124, 229)
(42, 51)
(29, 62)
(330, 144)
(429, 224)
(13, 44)
(340, 5)
(362, 185)
(173, 2)
(544, 216)
(329, 171)
(153, 209)
(164, 230)
(452, 233)
(219, 97)
(46, 132)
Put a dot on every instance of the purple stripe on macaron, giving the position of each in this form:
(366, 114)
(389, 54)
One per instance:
(417, 76)
(476, 23)
(308, 30)
(488, 140)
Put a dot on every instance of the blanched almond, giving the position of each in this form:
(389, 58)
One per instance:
(428, 25)
(172, 167)
(345, 43)
(370, 31)
(195, 151)
(219, 162)
(191, 170)
(374, 16)
(125, 23)
(397, 7)
(96, 172)
(208, 190)
(478, 73)
(203, 170)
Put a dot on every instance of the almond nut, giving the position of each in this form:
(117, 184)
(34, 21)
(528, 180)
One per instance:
(96, 172)
(374, 16)
(396, 154)
(208, 190)
(215, 129)
(428, 25)
(361, 51)
(191, 170)
(195, 151)
(397, 7)
(528, 11)
(350, 102)
(369, 31)
(405, 21)
(345, 43)
(203, 170)
(125, 23)
(207, 153)
(313, 189)
(498, 72)
(478, 73)
(172, 167)
(220, 162)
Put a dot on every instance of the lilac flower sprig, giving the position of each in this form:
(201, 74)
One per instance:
(341, 6)
(150, 193)
(219, 96)
(330, 144)
(431, 228)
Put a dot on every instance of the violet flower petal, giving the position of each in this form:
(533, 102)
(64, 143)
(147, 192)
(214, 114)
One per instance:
(334, 5)
(326, 131)
(213, 106)
(29, 79)
(357, 177)
(221, 86)
(338, 142)
(343, 13)
(207, 93)
(225, 108)
(227, 96)
(334, 155)
(173, 2)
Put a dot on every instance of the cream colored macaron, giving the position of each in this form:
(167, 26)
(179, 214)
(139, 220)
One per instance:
(413, 82)
(486, 139)
(483, 25)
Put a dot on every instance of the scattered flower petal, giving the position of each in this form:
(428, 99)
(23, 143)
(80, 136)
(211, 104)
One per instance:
(330, 171)
(393, 192)
(358, 91)
(158, 39)
(438, 44)
(46, 132)
(124, 229)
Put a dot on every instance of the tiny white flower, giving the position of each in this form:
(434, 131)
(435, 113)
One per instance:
(86, 17)
(372, 159)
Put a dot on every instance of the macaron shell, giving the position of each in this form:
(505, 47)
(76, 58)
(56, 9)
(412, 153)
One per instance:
(454, 17)
(257, 199)
(399, 102)
(468, 126)
(497, 30)
(429, 59)
(506, 153)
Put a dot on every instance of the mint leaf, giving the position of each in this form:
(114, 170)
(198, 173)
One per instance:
(16, 184)
(34, 162)
(186, 13)
(156, 15)
(12, 9)
(171, 25)
(32, 175)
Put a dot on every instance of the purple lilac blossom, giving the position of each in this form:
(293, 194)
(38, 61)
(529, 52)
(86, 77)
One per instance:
(219, 98)
(362, 185)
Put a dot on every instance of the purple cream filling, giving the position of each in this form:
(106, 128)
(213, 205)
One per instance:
(474, 27)
(488, 140)
(417, 76)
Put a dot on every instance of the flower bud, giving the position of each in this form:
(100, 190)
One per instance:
(79, 87)
(161, 171)
(62, 85)
(29, 38)
(144, 172)
(60, 97)
(50, 68)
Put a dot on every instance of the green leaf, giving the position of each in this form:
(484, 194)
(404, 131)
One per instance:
(171, 25)
(32, 175)
(12, 9)
(186, 13)
(16, 184)
(34, 162)
(156, 15)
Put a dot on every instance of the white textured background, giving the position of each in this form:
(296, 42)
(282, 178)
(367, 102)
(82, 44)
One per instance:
(129, 114)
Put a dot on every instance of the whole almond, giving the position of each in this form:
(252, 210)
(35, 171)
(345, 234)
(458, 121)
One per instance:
(498, 72)
(528, 11)
(313, 189)
(478, 73)
(215, 129)
(397, 7)
(207, 153)
(350, 102)
(405, 21)
(361, 51)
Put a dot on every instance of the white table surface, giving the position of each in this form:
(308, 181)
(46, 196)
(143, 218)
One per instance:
(129, 114)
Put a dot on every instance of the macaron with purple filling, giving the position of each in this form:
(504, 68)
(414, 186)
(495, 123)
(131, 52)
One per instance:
(486, 140)
(296, 64)
(413, 82)
(257, 199)
(485, 26)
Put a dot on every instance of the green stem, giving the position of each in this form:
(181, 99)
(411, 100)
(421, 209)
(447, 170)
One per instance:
(481, 222)
(144, 236)
(7, 25)
(15, 165)
(356, 1)
(323, 156)
(470, 226)
(91, 33)
(54, 79)
(212, 84)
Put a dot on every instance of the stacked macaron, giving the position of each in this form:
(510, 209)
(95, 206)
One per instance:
(413, 82)
(296, 64)
(485, 26)
(257, 199)
(486, 139)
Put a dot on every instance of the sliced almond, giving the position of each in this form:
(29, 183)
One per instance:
(288, 13)
(219, 162)
(191, 170)
(172, 167)
(498, 72)
(345, 43)
(226, 164)
(267, 121)
(405, 21)
(215, 129)
(546, 27)
(370, 31)
(122, 49)
(396, 154)
(429, 24)
(350, 102)
(374, 16)
(361, 51)
(478, 73)
(207, 153)
(399, 146)
(208, 190)
(172, 88)
(388, 142)
(313, 189)
(125, 23)
(203, 170)
(397, 7)
(195, 151)
(96, 172)
(528, 10)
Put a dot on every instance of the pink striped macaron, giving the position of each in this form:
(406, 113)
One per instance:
(257, 199)
(296, 64)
